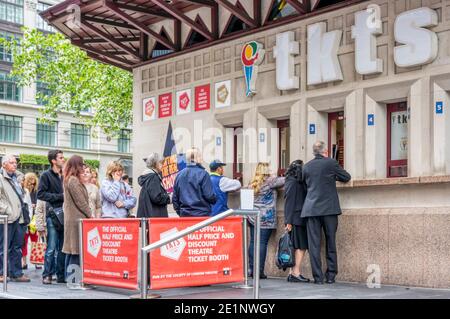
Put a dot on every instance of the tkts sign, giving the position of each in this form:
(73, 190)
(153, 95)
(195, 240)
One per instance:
(415, 45)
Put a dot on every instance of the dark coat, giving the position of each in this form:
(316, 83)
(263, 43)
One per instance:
(193, 193)
(50, 188)
(320, 176)
(294, 197)
(153, 199)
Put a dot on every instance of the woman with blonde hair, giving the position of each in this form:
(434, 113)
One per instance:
(94, 178)
(95, 202)
(30, 186)
(265, 188)
(117, 197)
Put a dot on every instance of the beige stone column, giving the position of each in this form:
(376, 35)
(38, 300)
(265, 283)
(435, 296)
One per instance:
(354, 134)
(320, 120)
(297, 128)
(441, 132)
(419, 126)
(250, 144)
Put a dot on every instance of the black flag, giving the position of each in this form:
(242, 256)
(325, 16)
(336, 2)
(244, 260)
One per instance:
(169, 147)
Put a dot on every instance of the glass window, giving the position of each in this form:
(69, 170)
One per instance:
(79, 136)
(284, 146)
(42, 92)
(46, 133)
(160, 49)
(397, 152)
(9, 90)
(6, 55)
(40, 23)
(238, 156)
(11, 11)
(10, 128)
(124, 141)
(336, 136)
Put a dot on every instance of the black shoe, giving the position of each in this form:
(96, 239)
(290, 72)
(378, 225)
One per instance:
(262, 276)
(61, 281)
(317, 282)
(24, 267)
(330, 281)
(292, 278)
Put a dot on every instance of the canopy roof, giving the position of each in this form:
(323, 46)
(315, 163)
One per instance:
(129, 33)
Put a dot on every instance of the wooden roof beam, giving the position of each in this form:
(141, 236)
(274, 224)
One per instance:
(241, 14)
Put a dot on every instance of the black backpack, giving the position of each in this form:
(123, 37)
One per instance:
(285, 254)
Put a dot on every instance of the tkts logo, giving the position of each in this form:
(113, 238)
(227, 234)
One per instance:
(174, 249)
(94, 242)
(184, 101)
(149, 108)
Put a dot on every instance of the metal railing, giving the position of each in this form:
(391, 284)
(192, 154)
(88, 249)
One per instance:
(147, 249)
(4, 221)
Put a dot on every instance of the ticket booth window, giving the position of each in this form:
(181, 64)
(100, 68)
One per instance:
(397, 140)
(238, 156)
(336, 136)
(283, 146)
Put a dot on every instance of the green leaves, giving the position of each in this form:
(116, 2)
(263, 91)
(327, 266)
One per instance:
(77, 83)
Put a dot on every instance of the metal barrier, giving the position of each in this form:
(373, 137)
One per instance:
(4, 220)
(147, 249)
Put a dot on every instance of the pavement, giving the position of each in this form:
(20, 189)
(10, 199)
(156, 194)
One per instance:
(272, 288)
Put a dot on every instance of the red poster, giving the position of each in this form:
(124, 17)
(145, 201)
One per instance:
(202, 98)
(212, 255)
(110, 252)
(165, 105)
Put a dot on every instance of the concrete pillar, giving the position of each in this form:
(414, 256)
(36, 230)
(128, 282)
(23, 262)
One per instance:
(354, 134)
(320, 120)
(268, 145)
(441, 131)
(419, 126)
(250, 139)
(297, 129)
(375, 139)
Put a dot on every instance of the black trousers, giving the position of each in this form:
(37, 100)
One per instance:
(314, 226)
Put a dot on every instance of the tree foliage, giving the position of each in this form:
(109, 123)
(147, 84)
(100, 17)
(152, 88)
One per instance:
(77, 83)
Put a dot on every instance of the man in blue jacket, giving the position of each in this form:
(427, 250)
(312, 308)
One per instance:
(222, 186)
(193, 194)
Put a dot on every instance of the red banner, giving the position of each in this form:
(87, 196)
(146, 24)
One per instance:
(202, 98)
(110, 252)
(212, 255)
(165, 105)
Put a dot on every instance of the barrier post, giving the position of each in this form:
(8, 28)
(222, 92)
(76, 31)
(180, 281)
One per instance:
(144, 275)
(256, 262)
(80, 225)
(5, 252)
(246, 284)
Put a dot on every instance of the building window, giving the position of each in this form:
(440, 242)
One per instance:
(40, 23)
(11, 11)
(46, 133)
(124, 141)
(79, 136)
(42, 92)
(283, 146)
(6, 55)
(235, 24)
(238, 153)
(194, 37)
(397, 136)
(160, 49)
(10, 128)
(336, 136)
(9, 90)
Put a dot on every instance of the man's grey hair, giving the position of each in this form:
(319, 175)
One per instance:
(7, 158)
(193, 155)
(152, 160)
(319, 148)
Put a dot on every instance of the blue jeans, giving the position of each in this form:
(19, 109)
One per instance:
(265, 236)
(73, 260)
(15, 242)
(54, 257)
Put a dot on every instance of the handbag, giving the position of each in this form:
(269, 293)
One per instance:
(38, 248)
(57, 217)
(25, 211)
(285, 254)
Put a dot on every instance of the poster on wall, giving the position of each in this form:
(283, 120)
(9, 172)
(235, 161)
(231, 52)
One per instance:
(165, 105)
(399, 135)
(173, 162)
(149, 109)
(222, 94)
(202, 98)
(184, 101)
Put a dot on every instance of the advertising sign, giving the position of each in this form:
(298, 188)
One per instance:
(202, 98)
(165, 105)
(149, 109)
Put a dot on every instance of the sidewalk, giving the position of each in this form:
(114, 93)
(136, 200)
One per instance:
(274, 288)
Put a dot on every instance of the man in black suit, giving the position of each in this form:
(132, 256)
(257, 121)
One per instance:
(321, 208)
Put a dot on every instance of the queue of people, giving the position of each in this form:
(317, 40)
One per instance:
(71, 189)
